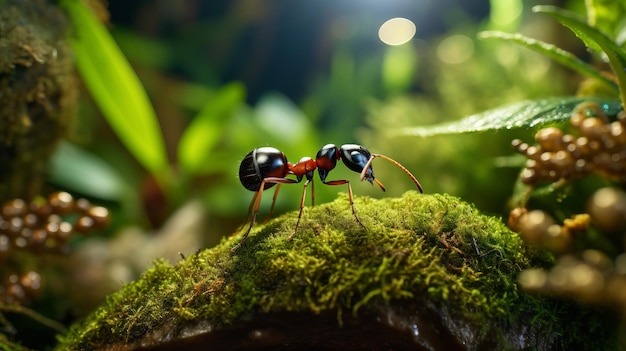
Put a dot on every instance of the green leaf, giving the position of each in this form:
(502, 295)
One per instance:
(525, 114)
(75, 169)
(203, 133)
(595, 40)
(557, 54)
(115, 88)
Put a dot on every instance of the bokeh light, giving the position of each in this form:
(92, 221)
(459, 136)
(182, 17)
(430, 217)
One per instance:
(504, 12)
(455, 49)
(396, 31)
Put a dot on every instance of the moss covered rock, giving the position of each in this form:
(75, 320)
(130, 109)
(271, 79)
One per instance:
(429, 272)
(38, 92)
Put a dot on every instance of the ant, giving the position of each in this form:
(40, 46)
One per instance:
(265, 167)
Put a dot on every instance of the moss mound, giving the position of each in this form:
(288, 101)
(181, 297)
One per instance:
(424, 261)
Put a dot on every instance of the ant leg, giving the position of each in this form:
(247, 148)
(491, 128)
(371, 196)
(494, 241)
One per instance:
(256, 193)
(273, 203)
(312, 192)
(369, 162)
(301, 207)
(257, 203)
(347, 182)
(255, 200)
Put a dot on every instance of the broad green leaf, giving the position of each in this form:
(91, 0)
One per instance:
(557, 54)
(196, 144)
(525, 114)
(116, 88)
(77, 170)
(593, 39)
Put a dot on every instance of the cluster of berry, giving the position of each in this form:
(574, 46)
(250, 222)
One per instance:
(589, 274)
(39, 227)
(600, 147)
(20, 288)
(581, 270)
(538, 228)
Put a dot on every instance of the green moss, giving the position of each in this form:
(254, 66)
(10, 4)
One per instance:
(417, 249)
(38, 92)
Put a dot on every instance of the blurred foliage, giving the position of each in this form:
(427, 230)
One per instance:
(561, 56)
(535, 113)
(160, 129)
(115, 87)
(465, 165)
(395, 87)
(595, 40)
(608, 17)
(203, 133)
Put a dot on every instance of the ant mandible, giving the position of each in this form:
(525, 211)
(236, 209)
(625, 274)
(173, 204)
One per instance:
(265, 167)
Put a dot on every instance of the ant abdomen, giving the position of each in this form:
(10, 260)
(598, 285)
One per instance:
(259, 164)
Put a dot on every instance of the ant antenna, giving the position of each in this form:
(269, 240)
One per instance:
(369, 163)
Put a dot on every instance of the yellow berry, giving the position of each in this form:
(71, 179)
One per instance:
(61, 202)
(549, 138)
(607, 208)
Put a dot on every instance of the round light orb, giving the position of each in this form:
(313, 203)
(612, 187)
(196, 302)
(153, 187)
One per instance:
(396, 31)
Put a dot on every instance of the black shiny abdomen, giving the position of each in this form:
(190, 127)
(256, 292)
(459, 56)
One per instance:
(259, 164)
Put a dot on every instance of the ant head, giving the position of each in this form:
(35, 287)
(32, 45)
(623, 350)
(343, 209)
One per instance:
(355, 157)
(326, 160)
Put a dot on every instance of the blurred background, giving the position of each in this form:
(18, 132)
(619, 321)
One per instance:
(226, 77)
(296, 76)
